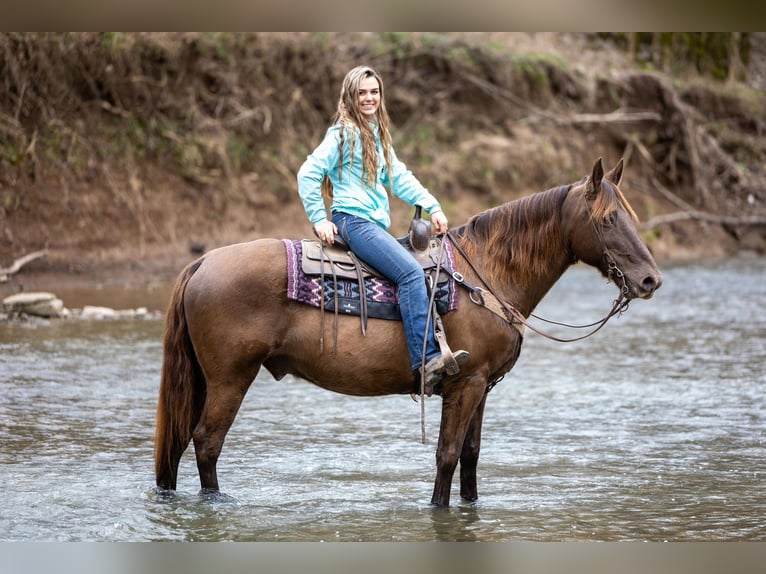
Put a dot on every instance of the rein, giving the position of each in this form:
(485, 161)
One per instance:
(513, 315)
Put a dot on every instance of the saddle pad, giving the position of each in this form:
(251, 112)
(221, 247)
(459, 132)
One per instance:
(382, 294)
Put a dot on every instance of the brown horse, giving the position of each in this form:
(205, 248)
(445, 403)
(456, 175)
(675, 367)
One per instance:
(229, 315)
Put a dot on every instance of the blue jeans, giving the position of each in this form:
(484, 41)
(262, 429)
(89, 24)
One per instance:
(379, 249)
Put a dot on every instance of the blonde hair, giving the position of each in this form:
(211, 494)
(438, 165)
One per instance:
(352, 122)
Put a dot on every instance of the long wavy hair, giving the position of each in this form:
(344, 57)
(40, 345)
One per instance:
(353, 123)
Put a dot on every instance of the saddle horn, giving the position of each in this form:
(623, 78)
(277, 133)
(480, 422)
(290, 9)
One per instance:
(420, 231)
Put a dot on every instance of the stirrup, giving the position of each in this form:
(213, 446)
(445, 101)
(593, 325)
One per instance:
(451, 365)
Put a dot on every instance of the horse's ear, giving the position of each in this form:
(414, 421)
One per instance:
(615, 174)
(594, 183)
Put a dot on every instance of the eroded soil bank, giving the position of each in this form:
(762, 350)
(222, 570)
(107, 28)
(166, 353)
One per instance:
(126, 155)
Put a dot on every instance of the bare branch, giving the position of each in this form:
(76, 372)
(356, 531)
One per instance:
(701, 216)
(19, 263)
(615, 117)
(690, 212)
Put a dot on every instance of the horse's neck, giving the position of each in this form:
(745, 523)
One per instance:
(528, 298)
(526, 291)
(540, 255)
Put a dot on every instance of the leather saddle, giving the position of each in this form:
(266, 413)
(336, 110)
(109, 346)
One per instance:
(339, 261)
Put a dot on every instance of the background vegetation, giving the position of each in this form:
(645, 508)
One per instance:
(128, 149)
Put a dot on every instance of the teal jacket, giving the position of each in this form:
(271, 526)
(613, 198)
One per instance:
(351, 194)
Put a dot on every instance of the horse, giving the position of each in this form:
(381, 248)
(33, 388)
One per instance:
(229, 315)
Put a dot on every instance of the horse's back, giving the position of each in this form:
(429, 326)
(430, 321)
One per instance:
(259, 259)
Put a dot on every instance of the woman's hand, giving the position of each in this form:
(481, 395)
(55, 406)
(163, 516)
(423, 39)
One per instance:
(439, 222)
(326, 231)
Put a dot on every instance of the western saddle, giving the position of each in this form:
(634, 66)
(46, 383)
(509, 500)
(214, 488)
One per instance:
(338, 261)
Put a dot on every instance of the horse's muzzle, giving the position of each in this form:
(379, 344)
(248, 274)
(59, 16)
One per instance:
(648, 285)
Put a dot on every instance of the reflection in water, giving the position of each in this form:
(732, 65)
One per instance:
(653, 429)
(455, 524)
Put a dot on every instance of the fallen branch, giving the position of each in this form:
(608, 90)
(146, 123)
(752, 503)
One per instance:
(615, 117)
(538, 114)
(672, 197)
(19, 263)
(690, 212)
(701, 216)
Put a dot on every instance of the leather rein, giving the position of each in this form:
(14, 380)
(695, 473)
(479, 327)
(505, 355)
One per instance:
(513, 316)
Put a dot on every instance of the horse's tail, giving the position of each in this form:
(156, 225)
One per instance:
(182, 388)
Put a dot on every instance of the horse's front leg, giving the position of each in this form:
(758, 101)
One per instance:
(460, 401)
(469, 457)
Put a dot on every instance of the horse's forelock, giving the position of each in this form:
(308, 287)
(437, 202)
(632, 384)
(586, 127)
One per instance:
(610, 199)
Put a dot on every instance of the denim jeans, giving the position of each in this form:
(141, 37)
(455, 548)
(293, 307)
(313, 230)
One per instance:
(378, 248)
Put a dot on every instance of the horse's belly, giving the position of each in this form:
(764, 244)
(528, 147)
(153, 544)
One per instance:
(344, 373)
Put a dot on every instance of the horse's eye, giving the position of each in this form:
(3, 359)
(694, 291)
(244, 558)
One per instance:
(610, 220)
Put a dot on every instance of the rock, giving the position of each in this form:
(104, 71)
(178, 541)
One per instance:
(44, 304)
(94, 312)
(39, 304)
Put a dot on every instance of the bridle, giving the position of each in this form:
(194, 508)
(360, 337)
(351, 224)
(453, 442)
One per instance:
(513, 315)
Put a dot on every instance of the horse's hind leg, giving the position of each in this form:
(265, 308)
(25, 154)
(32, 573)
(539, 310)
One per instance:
(221, 406)
(469, 457)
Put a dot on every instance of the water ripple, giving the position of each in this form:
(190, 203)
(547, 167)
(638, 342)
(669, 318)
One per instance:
(653, 429)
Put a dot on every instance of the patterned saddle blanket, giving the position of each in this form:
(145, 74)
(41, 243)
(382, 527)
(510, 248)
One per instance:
(382, 297)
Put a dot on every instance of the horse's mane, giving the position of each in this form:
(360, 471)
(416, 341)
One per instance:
(520, 234)
(525, 234)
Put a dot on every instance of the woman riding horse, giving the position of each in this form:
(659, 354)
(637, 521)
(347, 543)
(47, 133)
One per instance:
(351, 166)
(229, 314)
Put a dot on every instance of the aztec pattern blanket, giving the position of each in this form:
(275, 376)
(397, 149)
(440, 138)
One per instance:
(382, 294)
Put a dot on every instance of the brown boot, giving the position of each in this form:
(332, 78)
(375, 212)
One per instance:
(437, 367)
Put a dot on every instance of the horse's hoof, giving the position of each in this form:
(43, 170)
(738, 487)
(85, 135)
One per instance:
(164, 494)
(214, 495)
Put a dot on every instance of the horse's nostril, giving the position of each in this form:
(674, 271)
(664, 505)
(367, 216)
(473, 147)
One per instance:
(651, 283)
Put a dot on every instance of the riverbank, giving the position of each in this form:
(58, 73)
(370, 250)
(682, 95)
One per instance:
(115, 142)
(125, 156)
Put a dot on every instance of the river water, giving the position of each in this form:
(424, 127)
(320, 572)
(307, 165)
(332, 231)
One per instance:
(652, 429)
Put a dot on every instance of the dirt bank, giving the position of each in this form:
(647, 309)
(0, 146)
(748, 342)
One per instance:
(125, 155)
